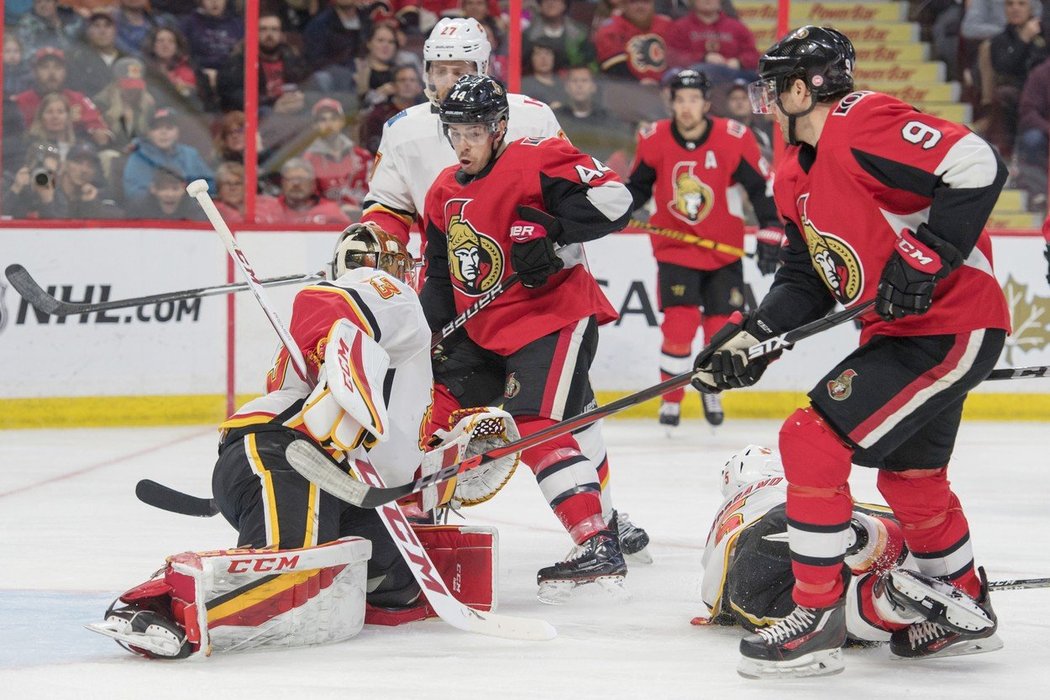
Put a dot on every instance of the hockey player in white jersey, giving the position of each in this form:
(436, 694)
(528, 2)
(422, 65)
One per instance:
(290, 532)
(747, 576)
(413, 149)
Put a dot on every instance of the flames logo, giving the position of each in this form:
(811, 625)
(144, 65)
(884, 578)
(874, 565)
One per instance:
(474, 259)
(834, 259)
(693, 199)
(646, 52)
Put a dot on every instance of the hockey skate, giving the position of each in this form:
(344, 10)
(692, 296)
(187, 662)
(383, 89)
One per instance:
(712, 404)
(144, 632)
(808, 642)
(598, 560)
(670, 416)
(634, 541)
(953, 625)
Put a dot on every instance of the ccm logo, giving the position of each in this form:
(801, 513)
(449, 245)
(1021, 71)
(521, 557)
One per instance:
(344, 365)
(520, 233)
(910, 250)
(263, 564)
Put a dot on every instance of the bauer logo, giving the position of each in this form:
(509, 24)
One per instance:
(180, 311)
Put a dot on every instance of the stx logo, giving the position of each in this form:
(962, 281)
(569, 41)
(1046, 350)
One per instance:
(263, 564)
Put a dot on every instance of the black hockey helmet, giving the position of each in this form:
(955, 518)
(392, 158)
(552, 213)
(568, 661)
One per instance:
(475, 99)
(821, 56)
(690, 78)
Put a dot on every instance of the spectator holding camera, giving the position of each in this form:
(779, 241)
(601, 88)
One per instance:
(74, 190)
(53, 124)
(33, 188)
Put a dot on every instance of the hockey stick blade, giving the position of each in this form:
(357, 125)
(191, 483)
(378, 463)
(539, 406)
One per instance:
(166, 498)
(1020, 372)
(43, 302)
(1018, 584)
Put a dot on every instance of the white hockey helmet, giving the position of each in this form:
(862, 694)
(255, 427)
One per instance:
(456, 39)
(749, 465)
(368, 245)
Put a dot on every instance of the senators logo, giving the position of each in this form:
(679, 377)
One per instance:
(693, 199)
(841, 386)
(646, 52)
(833, 258)
(474, 259)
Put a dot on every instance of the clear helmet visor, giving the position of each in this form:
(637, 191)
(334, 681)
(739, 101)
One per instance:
(763, 95)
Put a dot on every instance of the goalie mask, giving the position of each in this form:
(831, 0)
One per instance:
(368, 245)
(751, 464)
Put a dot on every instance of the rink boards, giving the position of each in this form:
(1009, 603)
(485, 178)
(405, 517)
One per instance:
(170, 362)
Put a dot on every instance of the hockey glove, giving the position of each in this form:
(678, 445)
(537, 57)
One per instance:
(1046, 254)
(767, 252)
(532, 252)
(724, 363)
(919, 261)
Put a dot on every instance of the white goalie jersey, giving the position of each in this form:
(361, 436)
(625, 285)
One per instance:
(414, 150)
(387, 313)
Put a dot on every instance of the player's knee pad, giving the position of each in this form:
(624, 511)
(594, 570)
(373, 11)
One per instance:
(919, 499)
(679, 328)
(814, 455)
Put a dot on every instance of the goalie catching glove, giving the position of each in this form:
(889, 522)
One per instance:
(346, 408)
(724, 363)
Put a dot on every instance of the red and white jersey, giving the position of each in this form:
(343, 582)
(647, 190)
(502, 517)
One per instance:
(413, 150)
(468, 244)
(881, 167)
(740, 511)
(693, 185)
(628, 51)
(388, 310)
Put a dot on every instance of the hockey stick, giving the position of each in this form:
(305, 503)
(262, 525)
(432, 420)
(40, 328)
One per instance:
(1020, 372)
(1018, 584)
(690, 238)
(198, 189)
(423, 570)
(483, 301)
(166, 498)
(43, 302)
(306, 459)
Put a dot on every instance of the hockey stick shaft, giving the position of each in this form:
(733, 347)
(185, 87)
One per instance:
(1020, 372)
(486, 299)
(42, 301)
(1018, 584)
(374, 497)
(198, 189)
(166, 498)
(691, 239)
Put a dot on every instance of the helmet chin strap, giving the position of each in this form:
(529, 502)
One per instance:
(793, 118)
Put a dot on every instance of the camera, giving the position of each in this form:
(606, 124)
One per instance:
(39, 173)
(42, 177)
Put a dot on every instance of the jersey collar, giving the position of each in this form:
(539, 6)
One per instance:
(691, 145)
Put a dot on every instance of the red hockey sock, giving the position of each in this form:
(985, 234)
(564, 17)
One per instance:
(713, 324)
(817, 466)
(934, 526)
(676, 354)
(568, 480)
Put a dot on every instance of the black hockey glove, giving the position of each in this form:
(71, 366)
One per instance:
(532, 252)
(767, 252)
(919, 261)
(1046, 254)
(724, 364)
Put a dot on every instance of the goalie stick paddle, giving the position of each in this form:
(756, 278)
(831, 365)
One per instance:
(166, 498)
(46, 303)
(366, 496)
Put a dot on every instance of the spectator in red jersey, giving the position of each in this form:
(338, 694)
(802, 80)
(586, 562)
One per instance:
(408, 91)
(49, 75)
(298, 202)
(710, 37)
(634, 44)
(340, 166)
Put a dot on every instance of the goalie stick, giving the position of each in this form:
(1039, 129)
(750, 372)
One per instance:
(1018, 584)
(423, 570)
(166, 498)
(366, 496)
(46, 303)
(690, 238)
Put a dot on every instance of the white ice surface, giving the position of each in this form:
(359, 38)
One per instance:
(73, 537)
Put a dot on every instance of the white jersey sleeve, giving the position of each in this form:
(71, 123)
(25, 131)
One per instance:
(414, 150)
(740, 511)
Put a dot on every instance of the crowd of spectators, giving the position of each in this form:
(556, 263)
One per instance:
(120, 103)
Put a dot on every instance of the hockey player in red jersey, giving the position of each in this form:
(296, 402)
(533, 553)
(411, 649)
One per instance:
(883, 203)
(689, 164)
(503, 209)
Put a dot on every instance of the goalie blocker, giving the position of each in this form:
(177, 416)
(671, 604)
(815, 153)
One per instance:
(243, 599)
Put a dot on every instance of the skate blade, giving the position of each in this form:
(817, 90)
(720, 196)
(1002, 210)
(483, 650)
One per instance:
(820, 663)
(613, 588)
(967, 648)
(159, 645)
(642, 556)
(960, 612)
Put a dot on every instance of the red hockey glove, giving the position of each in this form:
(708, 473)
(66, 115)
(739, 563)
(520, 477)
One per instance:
(919, 261)
(724, 364)
(767, 252)
(532, 252)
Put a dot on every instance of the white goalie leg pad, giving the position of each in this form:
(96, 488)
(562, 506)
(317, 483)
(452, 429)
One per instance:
(347, 407)
(235, 600)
